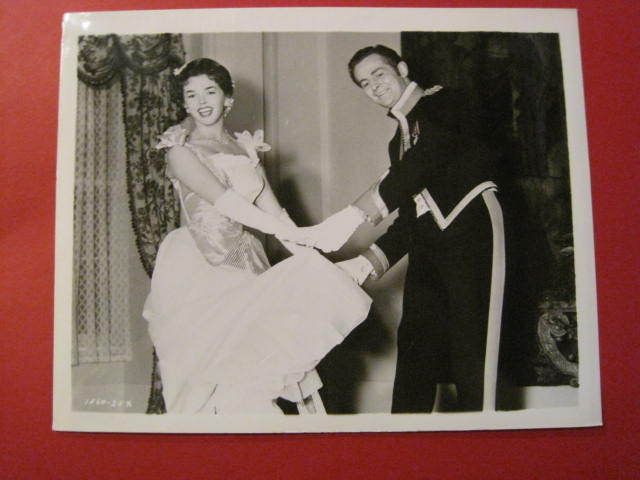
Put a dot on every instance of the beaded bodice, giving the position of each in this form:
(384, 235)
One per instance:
(221, 240)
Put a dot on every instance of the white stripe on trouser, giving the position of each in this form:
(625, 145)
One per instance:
(495, 302)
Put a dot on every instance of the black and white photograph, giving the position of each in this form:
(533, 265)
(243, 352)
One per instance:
(317, 220)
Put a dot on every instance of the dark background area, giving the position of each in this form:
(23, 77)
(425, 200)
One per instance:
(507, 90)
(29, 86)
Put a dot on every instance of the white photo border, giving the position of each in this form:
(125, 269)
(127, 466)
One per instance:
(564, 22)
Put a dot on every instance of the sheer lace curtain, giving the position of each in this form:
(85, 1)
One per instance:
(101, 229)
(124, 103)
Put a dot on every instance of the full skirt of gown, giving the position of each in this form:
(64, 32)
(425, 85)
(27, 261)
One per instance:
(229, 340)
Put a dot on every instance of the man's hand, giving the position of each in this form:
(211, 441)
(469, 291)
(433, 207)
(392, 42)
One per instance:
(333, 233)
(358, 268)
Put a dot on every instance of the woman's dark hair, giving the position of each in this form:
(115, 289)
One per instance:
(389, 55)
(210, 68)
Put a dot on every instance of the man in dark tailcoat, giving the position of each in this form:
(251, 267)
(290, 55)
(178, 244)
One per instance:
(442, 181)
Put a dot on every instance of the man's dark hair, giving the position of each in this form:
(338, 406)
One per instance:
(389, 55)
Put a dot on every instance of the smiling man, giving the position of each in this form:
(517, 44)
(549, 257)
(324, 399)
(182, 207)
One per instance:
(383, 79)
(442, 181)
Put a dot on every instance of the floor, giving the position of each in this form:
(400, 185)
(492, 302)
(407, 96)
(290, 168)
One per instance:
(100, 388)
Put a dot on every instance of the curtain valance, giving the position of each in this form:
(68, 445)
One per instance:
(101, 58)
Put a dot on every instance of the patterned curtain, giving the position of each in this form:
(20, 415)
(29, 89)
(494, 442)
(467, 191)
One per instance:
(141, 65)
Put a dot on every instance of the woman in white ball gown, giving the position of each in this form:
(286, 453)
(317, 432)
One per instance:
(233, 334)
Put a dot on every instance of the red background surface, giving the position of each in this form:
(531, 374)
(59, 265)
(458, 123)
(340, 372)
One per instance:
(30, 35)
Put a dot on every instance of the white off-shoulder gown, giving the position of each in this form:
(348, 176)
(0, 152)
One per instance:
(232, 333)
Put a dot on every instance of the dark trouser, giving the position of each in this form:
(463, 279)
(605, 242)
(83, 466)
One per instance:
(442, 334)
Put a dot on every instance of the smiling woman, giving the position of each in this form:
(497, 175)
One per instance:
(232, 334)
(208, 92)
(205, 100)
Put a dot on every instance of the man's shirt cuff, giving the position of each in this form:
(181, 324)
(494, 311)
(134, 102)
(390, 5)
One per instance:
(372, 204)
(378, 260)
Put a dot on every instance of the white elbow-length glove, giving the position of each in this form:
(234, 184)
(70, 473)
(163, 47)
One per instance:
(358, 268)
(236, 207)
(333, 233)
(293, 247)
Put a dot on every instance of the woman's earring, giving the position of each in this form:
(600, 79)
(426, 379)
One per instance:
(227, 106)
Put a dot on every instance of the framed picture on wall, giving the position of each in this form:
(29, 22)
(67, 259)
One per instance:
(317, 219)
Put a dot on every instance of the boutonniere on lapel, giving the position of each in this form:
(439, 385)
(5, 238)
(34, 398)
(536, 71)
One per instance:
(415, 134)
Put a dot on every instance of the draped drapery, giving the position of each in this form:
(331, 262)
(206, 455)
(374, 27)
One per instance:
(143, 64)
(140, 68)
